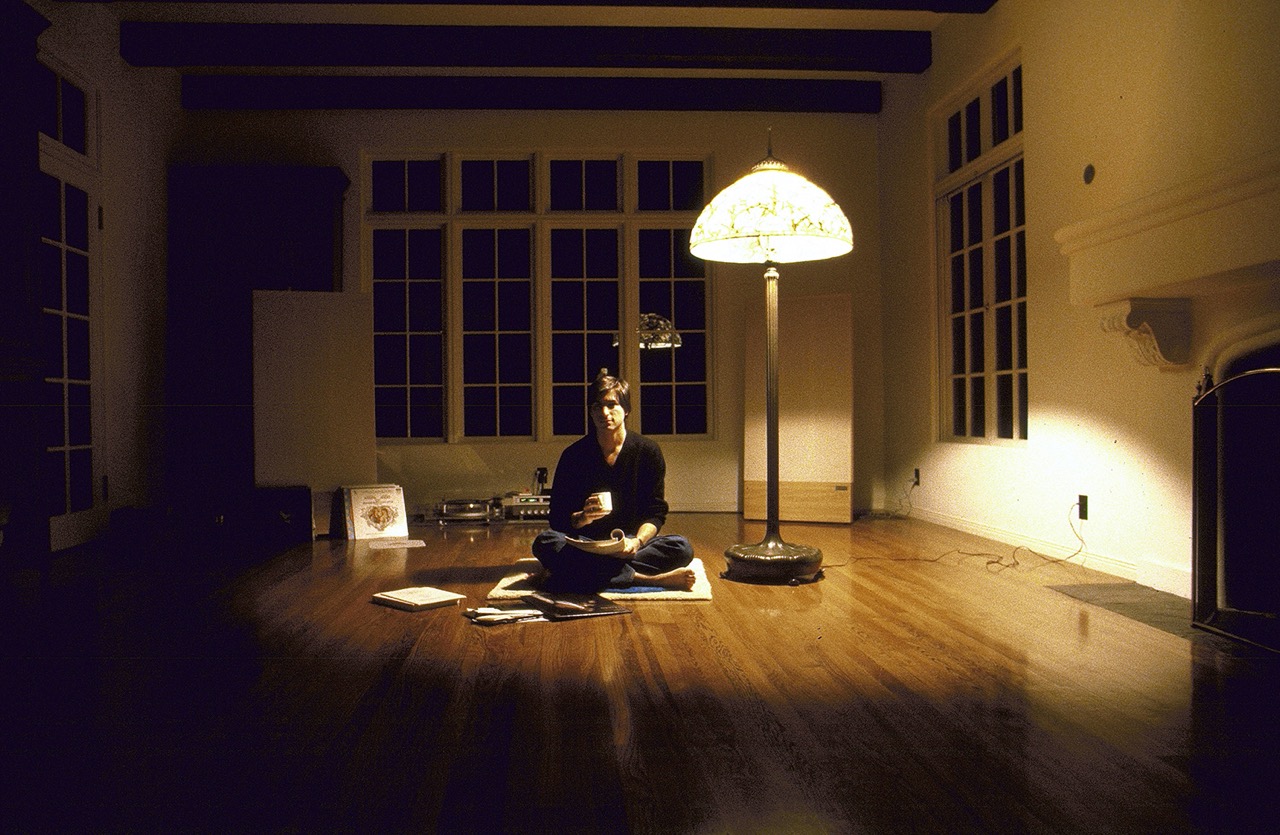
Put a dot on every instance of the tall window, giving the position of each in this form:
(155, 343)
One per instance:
(68, 225)
(982, 245)
(503, 285)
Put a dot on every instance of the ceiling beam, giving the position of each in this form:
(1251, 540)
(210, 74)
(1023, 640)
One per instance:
(363, 92)
(173, 44)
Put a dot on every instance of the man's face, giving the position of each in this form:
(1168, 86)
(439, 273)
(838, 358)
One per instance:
(607, 413)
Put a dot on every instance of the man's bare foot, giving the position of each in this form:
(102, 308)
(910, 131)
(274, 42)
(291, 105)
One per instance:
(680, 579)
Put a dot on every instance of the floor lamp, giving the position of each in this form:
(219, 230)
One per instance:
(771, 216)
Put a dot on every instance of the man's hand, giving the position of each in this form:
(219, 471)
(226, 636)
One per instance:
(591, 511)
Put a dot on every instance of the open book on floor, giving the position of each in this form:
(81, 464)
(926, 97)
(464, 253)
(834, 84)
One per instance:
(417, 598)
(567, 605)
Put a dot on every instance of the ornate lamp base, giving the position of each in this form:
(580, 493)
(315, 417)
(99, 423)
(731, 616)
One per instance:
(773, 561)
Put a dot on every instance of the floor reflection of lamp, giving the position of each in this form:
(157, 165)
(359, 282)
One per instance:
(771, 216)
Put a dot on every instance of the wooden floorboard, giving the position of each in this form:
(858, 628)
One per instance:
(931, 682)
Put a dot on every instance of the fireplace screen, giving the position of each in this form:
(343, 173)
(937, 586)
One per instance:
(1236, 508)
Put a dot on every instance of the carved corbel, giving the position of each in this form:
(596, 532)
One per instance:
(1158, 330)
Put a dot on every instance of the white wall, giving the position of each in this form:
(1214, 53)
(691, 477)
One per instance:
(836, 151)
(1153, 95)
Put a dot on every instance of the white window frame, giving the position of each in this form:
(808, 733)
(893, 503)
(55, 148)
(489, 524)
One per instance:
(628, 219)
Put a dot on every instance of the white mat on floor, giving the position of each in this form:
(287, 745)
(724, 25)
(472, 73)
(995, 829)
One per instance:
(517, 583)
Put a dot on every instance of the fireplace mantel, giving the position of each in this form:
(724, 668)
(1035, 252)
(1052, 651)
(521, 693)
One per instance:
(1140, 264)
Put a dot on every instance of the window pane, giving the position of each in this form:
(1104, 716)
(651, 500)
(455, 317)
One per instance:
(1017, 99)
(1000, 195)
(479, 410)
(389, 306)
(977, 290)
(390, 412)
(1022, 334)
(426, 359)
(566, 253)
(686, 186)
(77, 218)
(568, 410)
(566, 185)
(959, 406)
(602, 185)
(77, 283)
(478, 186)
(955, 153)
(1022, 406)
(479, 358)
(515, 305)
(691, 409)
(388, 253)
(426, 306)
(568, 358)
(80, 482)
(514, 358)
(568, 311)
(79, 430)
(977, 343)
(686, 264)
(959, 363)
(514, 186)
(957, 221)
(602, 305)
(601, 253)
(1004, 406)
(389, 359)
(426, 185)
(514, 257)
(388, 185)
(973, 130)
(957, 283)
(978, 411)
(426, 412)
(1004, 269)
(426, 253)
(1022, 265)
(690, 358)
(515, 411)
(49, 207)
(653, 184)
(655, 366)
(655, 297)
(655, 253)
(1004, 338)
(657, 415)
(49, 265)
(689, 305)
(999, 111)
(974, 195)
(75, 118)
(77, 348)
(478, 308)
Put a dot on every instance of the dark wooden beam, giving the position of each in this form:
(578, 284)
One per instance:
(258, 92)
(171, 44)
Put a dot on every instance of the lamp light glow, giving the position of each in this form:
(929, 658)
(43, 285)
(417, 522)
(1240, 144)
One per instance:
(771, 216)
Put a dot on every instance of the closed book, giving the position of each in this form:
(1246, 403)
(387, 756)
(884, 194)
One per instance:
(565, 605)
(416, 598)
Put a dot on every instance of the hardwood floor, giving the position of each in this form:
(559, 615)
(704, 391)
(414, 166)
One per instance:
(932, 682)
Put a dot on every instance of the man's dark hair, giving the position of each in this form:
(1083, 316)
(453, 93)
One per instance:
(605, 383)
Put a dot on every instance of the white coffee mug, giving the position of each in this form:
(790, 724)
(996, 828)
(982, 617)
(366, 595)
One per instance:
(606, 500)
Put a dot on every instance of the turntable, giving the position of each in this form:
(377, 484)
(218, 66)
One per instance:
(474, 511)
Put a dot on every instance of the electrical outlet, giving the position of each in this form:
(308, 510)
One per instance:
(1083, 507)
(916, 481)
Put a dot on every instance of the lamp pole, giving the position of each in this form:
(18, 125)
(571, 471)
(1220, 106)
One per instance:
(772, 560)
